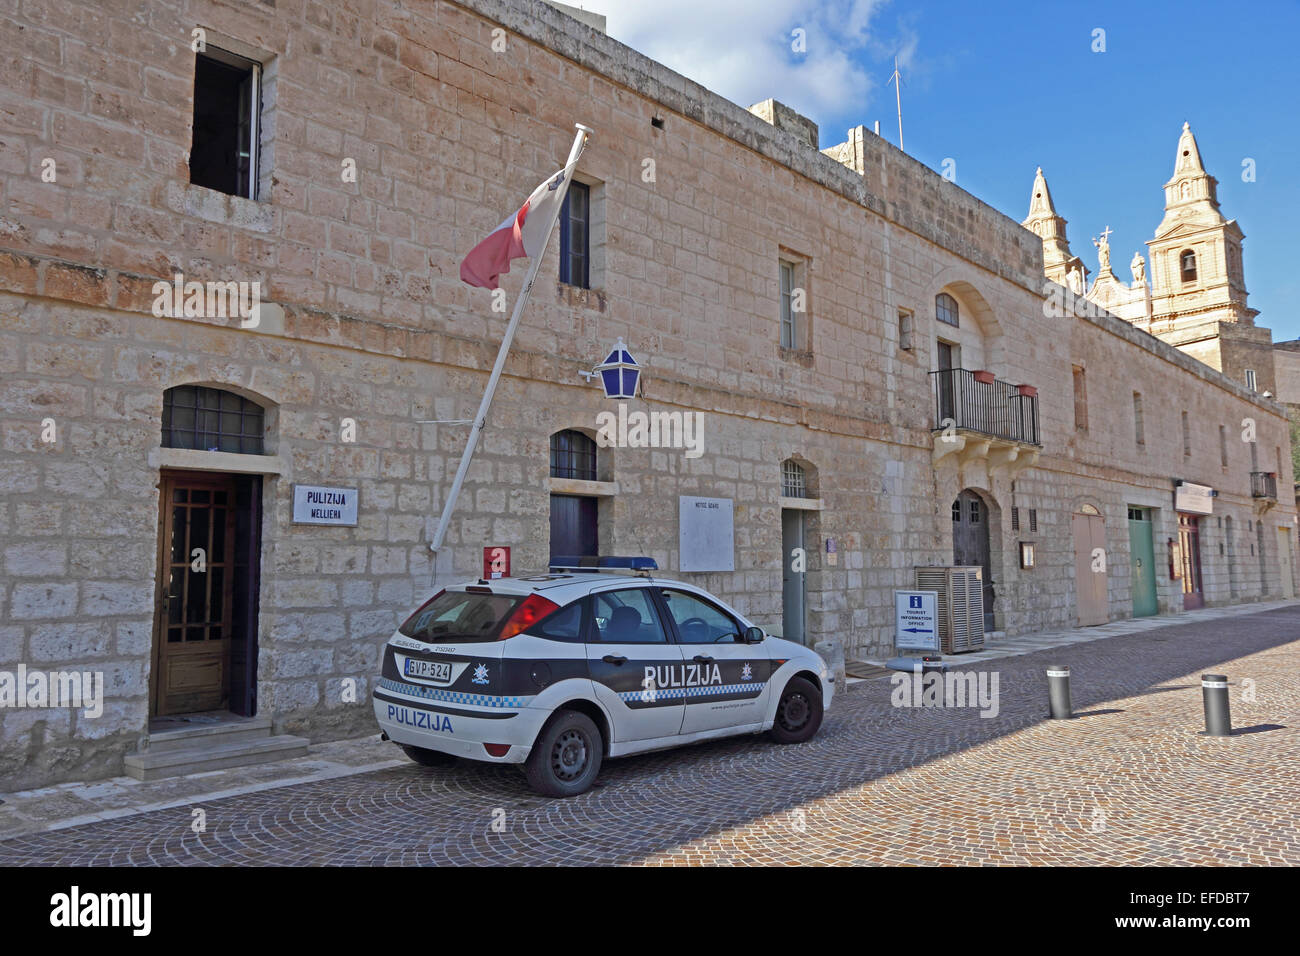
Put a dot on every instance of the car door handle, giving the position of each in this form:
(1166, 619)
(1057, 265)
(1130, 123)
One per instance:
(614, 659)
(703, 659)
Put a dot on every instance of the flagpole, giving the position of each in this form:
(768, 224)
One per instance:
(480, 419)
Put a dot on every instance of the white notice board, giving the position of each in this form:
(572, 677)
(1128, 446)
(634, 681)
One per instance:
(916, 620)
(706, 534)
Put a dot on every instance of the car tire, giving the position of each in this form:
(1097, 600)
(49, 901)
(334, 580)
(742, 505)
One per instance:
(566, 757)
(798, 712)
(428, 758)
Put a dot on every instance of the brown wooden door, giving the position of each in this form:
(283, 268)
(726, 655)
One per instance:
(1189, 540)
(196, 585)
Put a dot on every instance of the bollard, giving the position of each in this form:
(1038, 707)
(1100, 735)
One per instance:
(1214, 691)
(1058, 692)
(930, 663)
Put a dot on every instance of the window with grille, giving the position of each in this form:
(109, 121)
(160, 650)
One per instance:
(945, 309)
(1251, 382)
(1033, 519)
(1015, 519)
(573, 455)
(794, 481)
(210, 419)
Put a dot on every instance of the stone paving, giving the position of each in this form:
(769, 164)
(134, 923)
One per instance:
(1128, 781)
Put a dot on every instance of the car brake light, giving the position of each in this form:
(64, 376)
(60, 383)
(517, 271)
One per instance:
(534, 608)
(497, 750)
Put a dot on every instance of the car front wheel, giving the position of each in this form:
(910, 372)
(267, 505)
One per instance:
(798, 712)
(566, 758)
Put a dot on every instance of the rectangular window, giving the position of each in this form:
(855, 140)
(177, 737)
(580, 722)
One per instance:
(905, 330)
(575, 236)
(1033, 520)
(1015, 519)
(1223, 445)
(1187, 435)
(1080, 400)
(1139, 432)
(227, 114)
(1250, 380)
(789, 316)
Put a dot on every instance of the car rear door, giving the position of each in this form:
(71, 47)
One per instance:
(727, 679)
(634, 664)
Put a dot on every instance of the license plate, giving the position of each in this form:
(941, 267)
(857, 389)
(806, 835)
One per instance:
(429, 670)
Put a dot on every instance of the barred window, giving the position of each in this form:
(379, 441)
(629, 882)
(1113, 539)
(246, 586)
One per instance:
(794, 482)
(573, 455)
(211, 419)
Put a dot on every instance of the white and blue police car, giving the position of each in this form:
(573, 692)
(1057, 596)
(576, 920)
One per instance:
(560, 670)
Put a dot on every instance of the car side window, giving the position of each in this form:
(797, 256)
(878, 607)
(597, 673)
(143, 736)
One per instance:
(626, 617)
(700, 622)
(563, 625)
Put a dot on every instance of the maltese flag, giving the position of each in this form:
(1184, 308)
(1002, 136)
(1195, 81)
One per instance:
(523, 233)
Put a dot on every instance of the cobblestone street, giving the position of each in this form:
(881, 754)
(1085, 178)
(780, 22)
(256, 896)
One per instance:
(1129, 781)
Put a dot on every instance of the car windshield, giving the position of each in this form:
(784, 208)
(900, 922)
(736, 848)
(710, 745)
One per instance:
(460, 616)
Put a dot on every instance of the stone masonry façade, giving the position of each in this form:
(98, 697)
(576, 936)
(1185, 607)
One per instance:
(447, 136)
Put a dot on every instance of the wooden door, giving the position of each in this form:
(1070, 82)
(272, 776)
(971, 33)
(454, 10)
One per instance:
(1284, 561)
(192, 632)
(1090, 563)
(1189, 541)
(573, 526)
(970, 544)
(793, 576)
(1142, 556)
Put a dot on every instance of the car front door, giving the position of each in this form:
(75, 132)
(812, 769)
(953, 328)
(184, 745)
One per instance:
(634, 664)
(726, 678)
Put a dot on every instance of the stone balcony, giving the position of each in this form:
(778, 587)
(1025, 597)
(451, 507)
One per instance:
(981, 419)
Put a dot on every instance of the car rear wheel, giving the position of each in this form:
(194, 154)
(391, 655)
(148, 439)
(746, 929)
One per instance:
(798, 712)
(566, 758)
(428, 758)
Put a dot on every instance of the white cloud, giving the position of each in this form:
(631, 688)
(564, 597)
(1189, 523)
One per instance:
(742, 50)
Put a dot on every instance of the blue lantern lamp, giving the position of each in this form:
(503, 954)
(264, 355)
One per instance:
(619, 372)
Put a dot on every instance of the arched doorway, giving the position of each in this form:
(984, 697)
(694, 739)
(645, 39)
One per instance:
(209, 555)
(574, 517)
(970, 543)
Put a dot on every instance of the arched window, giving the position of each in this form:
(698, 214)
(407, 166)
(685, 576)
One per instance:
(211, 419)
(573, 455)
(794, 480)
(945, 309)
(1187, 265)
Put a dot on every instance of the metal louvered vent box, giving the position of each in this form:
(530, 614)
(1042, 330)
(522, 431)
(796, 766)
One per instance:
(961, 605)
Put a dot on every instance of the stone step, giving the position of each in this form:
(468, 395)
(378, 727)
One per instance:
(182, 737)
(207, 753)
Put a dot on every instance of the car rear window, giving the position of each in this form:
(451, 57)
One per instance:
(460, 616)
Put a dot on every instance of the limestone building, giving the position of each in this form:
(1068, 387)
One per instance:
(237, 359)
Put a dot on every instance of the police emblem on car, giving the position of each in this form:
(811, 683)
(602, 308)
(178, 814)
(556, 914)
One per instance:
(595, 658)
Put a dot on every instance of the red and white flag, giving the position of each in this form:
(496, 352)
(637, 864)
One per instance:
(523, 233)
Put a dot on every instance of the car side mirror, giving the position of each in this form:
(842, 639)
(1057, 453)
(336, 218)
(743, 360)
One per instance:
(754, 635)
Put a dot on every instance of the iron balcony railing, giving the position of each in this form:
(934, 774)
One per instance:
(1263, 484)
(994, 408)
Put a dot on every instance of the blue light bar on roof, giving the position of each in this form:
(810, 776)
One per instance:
(586, 562)
(632, 564)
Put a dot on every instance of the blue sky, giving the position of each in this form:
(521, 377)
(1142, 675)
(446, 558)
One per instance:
(1001, 88)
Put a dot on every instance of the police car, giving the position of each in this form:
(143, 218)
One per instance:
(558, 671)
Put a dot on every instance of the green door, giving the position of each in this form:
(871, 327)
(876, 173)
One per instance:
(1142, 553)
